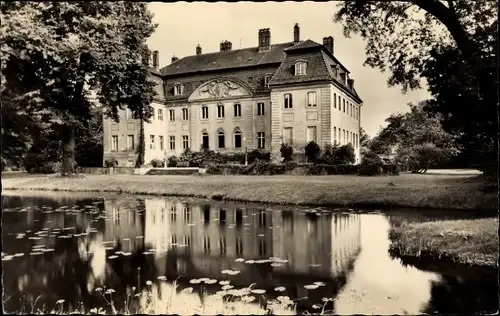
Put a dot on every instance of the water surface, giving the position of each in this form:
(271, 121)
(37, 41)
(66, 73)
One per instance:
(75, 247)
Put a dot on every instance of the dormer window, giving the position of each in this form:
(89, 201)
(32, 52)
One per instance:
(300, 68)
(177, 89)
(267, 78)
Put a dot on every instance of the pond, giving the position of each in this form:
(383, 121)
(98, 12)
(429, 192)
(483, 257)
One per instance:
(127, 254)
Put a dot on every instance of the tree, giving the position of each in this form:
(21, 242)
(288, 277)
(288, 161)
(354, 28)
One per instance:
(312, 151)
(74, 49)
(88, 141)
(419, 137)
(364, 141)
(402, 37)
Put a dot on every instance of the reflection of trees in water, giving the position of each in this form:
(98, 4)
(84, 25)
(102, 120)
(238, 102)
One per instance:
(462, 289)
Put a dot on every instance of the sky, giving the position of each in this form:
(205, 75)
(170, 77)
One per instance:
(182, 26)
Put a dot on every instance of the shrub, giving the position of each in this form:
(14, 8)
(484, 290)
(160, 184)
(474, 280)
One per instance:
(326, 169)
(110, 162)
(157, 163)
(172, 161)
(286, 152)
(391, 169)
(345, 154)
(312, 151)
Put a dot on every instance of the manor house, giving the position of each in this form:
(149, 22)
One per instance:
(244, 99)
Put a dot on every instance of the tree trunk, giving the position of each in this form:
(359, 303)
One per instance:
(68, 157)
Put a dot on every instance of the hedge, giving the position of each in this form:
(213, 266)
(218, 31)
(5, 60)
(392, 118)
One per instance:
(267, 168)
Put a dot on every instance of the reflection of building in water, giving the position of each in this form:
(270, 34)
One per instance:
(207, 239)
(317, 244)
(212, 236)
(124, 223)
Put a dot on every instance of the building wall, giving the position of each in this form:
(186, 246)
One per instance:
(301, 116)
(344, 121)
(124, 127)
(157, 127)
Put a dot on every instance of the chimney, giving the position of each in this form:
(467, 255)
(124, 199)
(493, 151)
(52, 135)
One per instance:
(198, 50)
(328, 43)
(226, 46)
(296, 33)
(174, 59)
(264, 40)
(156, 59)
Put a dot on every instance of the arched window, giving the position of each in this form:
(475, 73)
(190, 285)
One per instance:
(237, 110)
(221, 138)
(204, 140)
(288, 101)
(237, 138)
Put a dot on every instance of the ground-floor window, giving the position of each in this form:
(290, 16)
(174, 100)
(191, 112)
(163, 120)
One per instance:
(205, 142)
(261, 140)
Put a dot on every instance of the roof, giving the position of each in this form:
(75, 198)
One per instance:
(303, 45)
(225, 60)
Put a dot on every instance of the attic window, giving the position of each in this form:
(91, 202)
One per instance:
(300, 68)
(267, 78)
(178, 89)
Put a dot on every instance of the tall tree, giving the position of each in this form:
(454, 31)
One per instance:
(419, 137)
(69, 50)
(403, 36)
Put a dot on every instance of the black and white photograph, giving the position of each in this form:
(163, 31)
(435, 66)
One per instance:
(250, 158)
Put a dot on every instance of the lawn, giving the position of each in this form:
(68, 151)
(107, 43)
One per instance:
(406, 190)
(471, 242)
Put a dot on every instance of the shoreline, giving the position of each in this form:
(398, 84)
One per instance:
(468, 243)
(448, 193)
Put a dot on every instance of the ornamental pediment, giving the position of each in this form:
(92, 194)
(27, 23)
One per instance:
(220, 89)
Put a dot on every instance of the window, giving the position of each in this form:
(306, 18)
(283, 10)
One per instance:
(288, 135)
(130, 142)
(204, 138)
(204, 112)
(220, 111)
(267, 78)
(261, 140)
(187, 214)
(221, 139)
(237, 138)
(260, 108)
(172, 115)
(340, 108)
(178, 89)
(237, 110)
(152, 142)
(172, 142)
(262, 219)
(161, 142)
(185, 142)
(311, 134)
(160, 114)
(288, 101)
(185, 114)
(311, 99)
(343, 136)
(128, 114)
(334, 135)
(335, 100)
(343, 104)
(300, 68)
(173, 213)
(114, 142)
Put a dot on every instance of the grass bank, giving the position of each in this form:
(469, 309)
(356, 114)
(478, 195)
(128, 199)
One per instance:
(472, 242)
(405, 191)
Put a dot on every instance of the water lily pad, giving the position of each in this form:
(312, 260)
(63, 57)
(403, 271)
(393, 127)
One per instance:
(310, 287)
(112, 257)
(258, 291)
